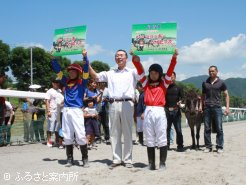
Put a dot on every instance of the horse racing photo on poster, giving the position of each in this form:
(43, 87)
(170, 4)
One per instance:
(69, 41)
(154, 38)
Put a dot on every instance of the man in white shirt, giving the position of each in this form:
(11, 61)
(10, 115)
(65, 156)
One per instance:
(51, 106)
(121, 89)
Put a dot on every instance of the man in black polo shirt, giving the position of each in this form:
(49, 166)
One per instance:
(174, 96)
(211, 90)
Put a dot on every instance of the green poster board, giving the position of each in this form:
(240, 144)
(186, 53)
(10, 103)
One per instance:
(69, 41)
(154, 38)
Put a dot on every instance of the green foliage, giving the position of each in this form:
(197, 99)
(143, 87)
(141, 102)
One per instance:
(4, 56)
(42, 70)
(100, 66)
(188, 87)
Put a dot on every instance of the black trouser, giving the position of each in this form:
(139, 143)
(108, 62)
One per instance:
(7, 133)
(174, 117)
(104, 121)
(38, 126)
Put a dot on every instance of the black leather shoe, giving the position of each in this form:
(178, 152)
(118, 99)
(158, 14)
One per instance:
(180, 149)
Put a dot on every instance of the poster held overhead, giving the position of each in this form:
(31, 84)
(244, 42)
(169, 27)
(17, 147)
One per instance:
(69, 41)
(154, 38)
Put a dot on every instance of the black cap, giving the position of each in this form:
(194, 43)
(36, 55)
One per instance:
(56, 81)
(157, 68)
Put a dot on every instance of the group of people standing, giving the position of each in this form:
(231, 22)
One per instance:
(121, 95)
(157, 109)
(7, 116)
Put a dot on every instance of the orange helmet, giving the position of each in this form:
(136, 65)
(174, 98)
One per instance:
(75, 67)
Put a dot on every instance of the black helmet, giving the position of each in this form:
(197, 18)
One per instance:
(157, 68)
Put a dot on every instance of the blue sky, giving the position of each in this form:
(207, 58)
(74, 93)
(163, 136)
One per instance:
(209, 32)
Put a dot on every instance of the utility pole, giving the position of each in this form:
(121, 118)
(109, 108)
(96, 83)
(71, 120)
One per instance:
(31, 68)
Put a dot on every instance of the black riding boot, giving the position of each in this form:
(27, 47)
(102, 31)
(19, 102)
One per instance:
(163, 157)
(69, 151)
(84, 152)
(140, 137)
(151, 157)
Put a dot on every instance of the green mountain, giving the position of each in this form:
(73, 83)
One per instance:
(236, 86)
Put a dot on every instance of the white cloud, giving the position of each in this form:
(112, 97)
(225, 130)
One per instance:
(244, 66)
(230, 75)
(210, 51)
(94, 49)
(182, 76)
(31, 44)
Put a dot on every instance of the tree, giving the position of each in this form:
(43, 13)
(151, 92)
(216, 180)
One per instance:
(42, 70)
(100, 66)
(4, 56)
(188, 87)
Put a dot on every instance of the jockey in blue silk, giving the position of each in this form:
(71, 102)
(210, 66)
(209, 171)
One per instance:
(74, 88)
(73, 117)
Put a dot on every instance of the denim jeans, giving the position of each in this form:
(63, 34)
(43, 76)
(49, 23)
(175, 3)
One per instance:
(171, 135)
(38, 127)
(215, 114)
(174, 117)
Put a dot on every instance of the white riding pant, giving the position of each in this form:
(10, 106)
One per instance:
(73, 123)
(155, 126)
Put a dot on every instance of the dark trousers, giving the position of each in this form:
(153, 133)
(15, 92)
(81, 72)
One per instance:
(214, 113)
(104, 121)
(91, 127)
(5, 134)
(174, 117)
(38, 127)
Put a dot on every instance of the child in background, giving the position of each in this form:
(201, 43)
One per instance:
(155, 122)
(91, 93)
(140, 114)
(91, 123)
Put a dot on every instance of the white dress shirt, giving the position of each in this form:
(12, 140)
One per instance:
(121, 83)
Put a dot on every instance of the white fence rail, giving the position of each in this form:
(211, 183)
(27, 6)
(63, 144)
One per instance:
(236, 114)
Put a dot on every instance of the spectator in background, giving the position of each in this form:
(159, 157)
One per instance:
(140, 113)
(26, 118)
(60, 105)
(91, 123)
(103, 111)
(136, 142)
(9, 120)
(174, 97)
(2, 109)
(211, 96)
(51, 108)
(91, 93)
(38, 117)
